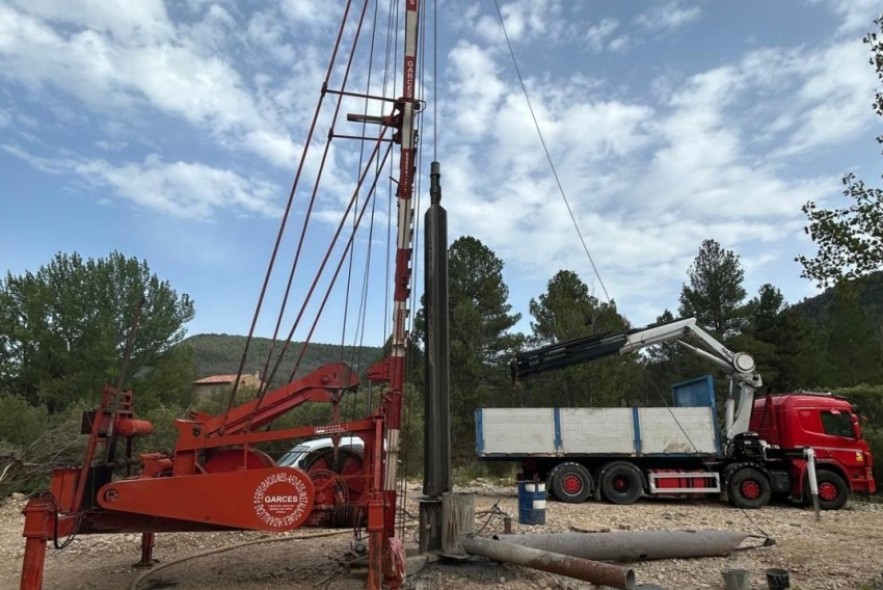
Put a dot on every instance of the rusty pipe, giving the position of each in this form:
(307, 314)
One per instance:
(633, 545)
(595, 572)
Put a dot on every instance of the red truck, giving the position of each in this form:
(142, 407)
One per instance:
(621, 454)
(830, 426)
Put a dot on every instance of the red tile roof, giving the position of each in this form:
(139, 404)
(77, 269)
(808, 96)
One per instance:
(227, 380)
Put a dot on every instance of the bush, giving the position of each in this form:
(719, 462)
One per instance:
(875, 440)
(20, 422)
(870, 401)
(51, 442)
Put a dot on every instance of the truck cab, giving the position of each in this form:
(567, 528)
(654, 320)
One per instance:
(830, 426)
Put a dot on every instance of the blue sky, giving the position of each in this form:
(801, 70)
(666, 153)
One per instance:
(171, 132)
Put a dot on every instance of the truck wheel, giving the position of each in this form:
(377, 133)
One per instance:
(571, 483)
(749, 488)
(621, 483)
(833, 491)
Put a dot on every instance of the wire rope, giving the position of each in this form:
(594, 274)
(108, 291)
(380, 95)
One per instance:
(355, 354)
(548, 155)
(307, 218)
(394, 15)
(287, 212)
(337, 270)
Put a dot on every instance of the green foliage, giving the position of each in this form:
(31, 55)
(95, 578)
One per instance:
(850, 239)
(874, 436)
(786, 346)
(567, 311)
(413, 420)
(869, 399)
(481, 343)
(63, 329)
(850, 339)
(167, 382)
(36, 444)
(220, 354)
(868, 290)
(715, 293)
(20, 422)
(164, 432)
(665, 364)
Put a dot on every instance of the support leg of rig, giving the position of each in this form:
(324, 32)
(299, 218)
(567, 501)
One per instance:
(32, 569)
(147, 560)
(38, 530)
(376, 544)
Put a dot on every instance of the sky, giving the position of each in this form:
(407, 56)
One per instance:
(172, 132)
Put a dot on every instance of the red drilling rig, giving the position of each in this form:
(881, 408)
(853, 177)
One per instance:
(215, 479)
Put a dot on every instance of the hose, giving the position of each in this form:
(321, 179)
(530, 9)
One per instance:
(142, 577)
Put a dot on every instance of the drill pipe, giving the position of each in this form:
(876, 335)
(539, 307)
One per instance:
(633, 545)
(595, 572)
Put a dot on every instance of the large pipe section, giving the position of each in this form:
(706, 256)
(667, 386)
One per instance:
(437, 472)
(633, 545)
(437, 434)
(595, 572)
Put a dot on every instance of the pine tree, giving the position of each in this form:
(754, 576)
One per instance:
(715, 293)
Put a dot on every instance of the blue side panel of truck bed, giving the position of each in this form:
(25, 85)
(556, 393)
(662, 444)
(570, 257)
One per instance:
(692, 393)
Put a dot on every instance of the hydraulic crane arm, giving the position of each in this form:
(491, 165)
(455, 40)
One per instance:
(739, 366)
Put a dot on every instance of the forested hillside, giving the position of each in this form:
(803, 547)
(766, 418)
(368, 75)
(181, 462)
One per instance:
(220, 354)
(869, 293)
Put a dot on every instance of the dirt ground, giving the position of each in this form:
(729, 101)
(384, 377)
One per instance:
(842, 551)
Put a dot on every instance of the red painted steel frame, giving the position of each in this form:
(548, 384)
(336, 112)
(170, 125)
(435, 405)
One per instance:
(152, 498)
(179, 491)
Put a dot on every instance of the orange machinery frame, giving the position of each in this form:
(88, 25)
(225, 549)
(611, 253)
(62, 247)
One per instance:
(213, 479)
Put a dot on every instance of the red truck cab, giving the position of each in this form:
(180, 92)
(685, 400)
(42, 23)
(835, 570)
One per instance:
(827, 424)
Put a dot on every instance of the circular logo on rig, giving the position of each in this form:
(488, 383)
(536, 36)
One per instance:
(282, 500)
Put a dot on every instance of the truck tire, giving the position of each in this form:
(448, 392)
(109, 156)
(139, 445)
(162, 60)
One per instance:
(833, 491)
(749, 488)
(621, 483)
(571, 483)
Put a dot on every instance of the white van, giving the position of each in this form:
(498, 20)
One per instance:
(297, 456)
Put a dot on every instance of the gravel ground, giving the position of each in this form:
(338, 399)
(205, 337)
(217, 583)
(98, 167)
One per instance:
(842, 551)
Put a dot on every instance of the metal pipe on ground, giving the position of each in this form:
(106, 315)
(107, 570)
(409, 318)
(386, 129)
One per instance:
(633, 545)
(595, 572)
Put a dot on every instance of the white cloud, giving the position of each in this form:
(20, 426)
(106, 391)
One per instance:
(856, 15)
(620, 44)
(312, 12)
(153, 68)
(145, 21)
(48, 165)
(669, 17)
(834, 98)
(183, 189)
(650, 170)
(477, 87)
(525, 20)
(598, 34)
(648, 181)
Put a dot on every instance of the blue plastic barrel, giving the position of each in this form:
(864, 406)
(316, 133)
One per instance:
(531, 502)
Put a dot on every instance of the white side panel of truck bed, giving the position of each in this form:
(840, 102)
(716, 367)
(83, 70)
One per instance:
(597, 430)
(518, 431)
(677, 430)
